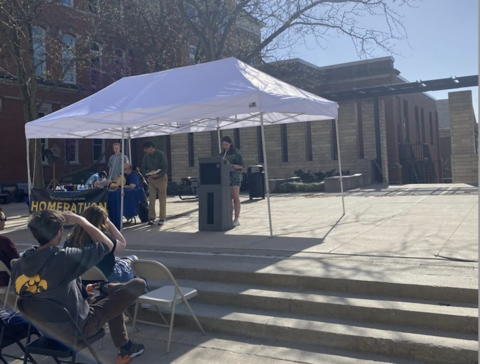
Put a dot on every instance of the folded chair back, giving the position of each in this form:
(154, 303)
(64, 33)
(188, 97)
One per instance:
(5, 290)
(94, 274)
(54, 321)
(151, 269)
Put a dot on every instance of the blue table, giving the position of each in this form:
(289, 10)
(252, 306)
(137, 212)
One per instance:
(130, 204)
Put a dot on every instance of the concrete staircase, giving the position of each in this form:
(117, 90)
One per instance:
(363, 320)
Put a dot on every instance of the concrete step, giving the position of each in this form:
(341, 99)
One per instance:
(447, 316)
(385, 340)
(410, 279)
(189, 346)
(356, 286)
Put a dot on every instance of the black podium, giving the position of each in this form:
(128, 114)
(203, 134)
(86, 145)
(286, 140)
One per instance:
(214, 197)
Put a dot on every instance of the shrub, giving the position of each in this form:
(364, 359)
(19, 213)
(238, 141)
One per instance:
(289, 187)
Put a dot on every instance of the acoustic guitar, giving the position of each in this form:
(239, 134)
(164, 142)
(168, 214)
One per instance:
(117, 182)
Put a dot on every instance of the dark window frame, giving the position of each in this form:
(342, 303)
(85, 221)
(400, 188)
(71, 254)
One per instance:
(308, 142)
(191, 149)
(284, 142)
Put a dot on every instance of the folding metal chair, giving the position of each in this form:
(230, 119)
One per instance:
(46, 315)
(166, 296)
(12, 332)
(5, 290)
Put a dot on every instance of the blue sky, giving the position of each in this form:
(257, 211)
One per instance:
(442, 42)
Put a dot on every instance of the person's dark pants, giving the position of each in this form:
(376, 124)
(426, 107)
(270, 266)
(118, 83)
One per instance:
(109, 307)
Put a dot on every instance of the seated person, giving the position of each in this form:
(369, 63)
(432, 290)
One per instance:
(48, 272)
(114, 268)
(7, 250)
(96, 177)
(132, 178)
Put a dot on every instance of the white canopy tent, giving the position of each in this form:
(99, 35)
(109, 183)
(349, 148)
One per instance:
(224, 94)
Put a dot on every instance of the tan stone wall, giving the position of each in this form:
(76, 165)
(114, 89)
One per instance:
(462, 124)
(321, 145)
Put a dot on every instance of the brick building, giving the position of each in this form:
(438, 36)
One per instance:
(75, 55)
(407, 124)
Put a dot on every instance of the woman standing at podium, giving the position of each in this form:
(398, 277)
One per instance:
(234, 157)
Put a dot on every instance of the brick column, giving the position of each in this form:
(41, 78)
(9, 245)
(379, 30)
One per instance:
(462, 125)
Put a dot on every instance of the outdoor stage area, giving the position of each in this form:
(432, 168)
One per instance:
(425, 232)
(412, 221)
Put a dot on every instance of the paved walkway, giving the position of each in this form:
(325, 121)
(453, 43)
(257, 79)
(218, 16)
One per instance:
(422, 233)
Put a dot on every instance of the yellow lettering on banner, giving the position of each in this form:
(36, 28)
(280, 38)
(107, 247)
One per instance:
(42, 205)
(59, 206)
(103, 205)
(74, 208)
(51, 205)
(34, 205)
(66, 206)
(81, 207)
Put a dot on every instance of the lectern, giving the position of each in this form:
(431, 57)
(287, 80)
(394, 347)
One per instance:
(214, 197)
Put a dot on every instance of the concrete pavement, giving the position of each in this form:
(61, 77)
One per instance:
(427, 234)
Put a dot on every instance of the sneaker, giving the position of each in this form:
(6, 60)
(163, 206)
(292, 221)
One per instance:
(236, 223)
(150, 222)
(125, 356)
(161, 221)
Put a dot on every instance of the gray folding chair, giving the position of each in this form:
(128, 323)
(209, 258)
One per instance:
(5, 290)
(166, 296)
(94, 274)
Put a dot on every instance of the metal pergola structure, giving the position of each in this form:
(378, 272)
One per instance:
(397, 89)
(402, 88)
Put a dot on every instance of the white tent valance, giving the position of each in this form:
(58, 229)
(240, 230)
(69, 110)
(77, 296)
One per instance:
(223, 94)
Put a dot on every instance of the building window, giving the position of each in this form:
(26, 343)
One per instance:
(422, 126)
(308, 142)
(71, 151)
(93, 6)
(236, 138)
(406, 127)
(68, 61)
(284, 142)
(417, 125)
(191, 150)
(333, 141)
(44, 143)
(360, 146)
(67, 2)
(214, 143)
(119, 61)
(99, 150)
(430, 126)
(192, 54)
(39, 55)
(95, 65)
(191, 13)
(259, 145)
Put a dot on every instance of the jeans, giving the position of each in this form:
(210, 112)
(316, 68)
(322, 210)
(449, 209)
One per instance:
(109, 307)
(122, 271)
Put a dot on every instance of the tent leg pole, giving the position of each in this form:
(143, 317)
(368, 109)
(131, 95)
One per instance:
(129, 147)
(28, 169)
(122, 190)
(218, 136)
(340, 166)
(267, 185)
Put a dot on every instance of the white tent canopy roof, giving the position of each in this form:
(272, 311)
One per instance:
(223, 94)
